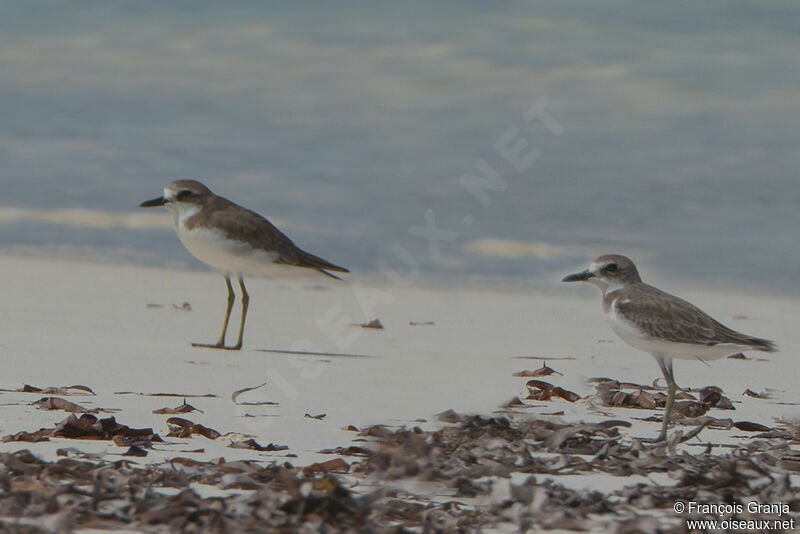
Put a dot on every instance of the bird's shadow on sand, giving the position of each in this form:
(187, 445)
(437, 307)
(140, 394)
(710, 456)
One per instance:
(312, 353)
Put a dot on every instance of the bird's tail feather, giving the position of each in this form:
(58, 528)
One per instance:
(764, 345)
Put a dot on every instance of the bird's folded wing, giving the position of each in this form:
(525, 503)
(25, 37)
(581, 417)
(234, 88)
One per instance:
(670, 318)
(249, 227)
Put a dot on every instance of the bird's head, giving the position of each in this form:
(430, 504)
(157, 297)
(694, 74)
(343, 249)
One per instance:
(181, 194)
(608, 272)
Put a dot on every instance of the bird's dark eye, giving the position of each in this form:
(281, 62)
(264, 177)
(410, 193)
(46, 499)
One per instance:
(611, 268)
(183, 195)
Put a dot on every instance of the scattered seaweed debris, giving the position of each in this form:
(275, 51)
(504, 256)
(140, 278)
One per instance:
(87, 426)
(476, 456)
(70, 494)
(468, 464)
(611, 393)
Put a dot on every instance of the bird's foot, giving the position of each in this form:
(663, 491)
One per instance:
(218, 346)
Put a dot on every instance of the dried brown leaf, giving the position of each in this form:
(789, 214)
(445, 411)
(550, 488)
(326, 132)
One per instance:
(199, 395)
(186, 462)
(81, 388)
(750, 393)
(643, 399)
(449, 416)
(29, 437)
(62, 390)
(689, 409)
(135, 450)
(254, 445)
(183, 408)
(375, 323)
(337, 465)
(544, 370)
(352, 450)
(749, 426)
(538, 384)
(56, 403)
(183, 428)
(72, 452)
(379, 431)
(566, 394)
(543, 391)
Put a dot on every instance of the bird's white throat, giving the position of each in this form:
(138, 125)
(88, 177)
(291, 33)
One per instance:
(606, 285)
(182, 212)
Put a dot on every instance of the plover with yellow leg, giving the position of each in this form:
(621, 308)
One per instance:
(666, 326)
(236, 241)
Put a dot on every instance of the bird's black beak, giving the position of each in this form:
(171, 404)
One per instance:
(578, 277)
(160, 201)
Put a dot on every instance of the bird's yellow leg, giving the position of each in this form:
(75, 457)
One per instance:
(245, 304)
(221, 343)
(672, 387)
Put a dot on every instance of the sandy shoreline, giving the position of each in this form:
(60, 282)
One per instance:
(114, 329)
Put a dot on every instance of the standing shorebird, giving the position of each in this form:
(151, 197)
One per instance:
(667, 327)
(234, 240)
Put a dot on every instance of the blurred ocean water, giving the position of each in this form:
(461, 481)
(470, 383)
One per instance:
(670, 132)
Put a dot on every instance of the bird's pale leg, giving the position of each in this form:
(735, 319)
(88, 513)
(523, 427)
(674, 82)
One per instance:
(672, 387)
(245, 304)
(231, 298)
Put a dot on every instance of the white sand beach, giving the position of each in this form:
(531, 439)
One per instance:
(125, 331)
(116, 328)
